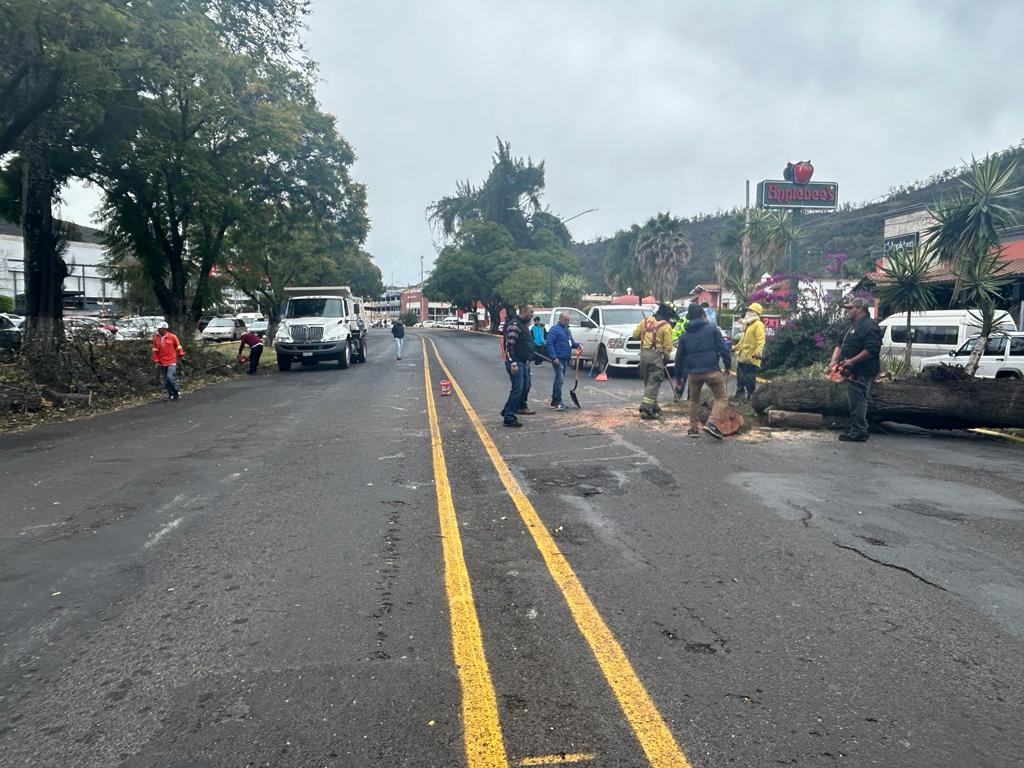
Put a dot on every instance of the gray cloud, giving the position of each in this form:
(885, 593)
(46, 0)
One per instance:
(651, 106)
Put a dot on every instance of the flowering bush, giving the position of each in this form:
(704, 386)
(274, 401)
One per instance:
(807, 339)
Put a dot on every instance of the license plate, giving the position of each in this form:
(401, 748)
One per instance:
(307, 354)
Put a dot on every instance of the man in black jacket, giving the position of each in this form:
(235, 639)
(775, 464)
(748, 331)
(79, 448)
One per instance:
(517, 351)
(398, 331)
(857, 356)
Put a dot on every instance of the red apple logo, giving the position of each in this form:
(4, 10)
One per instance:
(803, 171)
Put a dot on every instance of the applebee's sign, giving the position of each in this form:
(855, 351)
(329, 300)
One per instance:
(796, 190)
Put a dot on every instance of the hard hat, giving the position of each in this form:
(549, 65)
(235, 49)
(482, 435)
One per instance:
(755, 307)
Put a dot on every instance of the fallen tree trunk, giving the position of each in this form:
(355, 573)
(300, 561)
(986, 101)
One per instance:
(940, 402)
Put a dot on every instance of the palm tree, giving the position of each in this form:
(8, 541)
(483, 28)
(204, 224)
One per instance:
(571, 289)
(771, 234)
(906, 288)
(736, 275)
(967, 235)
(661, 249)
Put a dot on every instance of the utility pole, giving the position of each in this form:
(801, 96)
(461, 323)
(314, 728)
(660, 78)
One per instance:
(421, 270)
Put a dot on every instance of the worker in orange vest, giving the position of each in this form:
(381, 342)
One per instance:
(166, 351)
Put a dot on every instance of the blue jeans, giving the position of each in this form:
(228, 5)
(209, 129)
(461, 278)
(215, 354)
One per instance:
(515, 395)
(398, 347)
(169, 376)
(556, 389)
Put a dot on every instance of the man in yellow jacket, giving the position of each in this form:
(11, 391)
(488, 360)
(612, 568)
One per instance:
(749, 350)
(655, 334)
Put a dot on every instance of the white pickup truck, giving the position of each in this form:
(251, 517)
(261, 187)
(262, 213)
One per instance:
(604, 332)
(321, 323)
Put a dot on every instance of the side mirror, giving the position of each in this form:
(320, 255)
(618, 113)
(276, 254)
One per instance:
(952, 353)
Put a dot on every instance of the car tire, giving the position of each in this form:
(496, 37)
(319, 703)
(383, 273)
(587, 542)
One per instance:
(284, 363)
(343, 358)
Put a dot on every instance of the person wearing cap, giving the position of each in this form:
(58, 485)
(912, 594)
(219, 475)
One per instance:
(697, 356)
(655, 334)
(749, 350)
(857, 356)
(166, 351)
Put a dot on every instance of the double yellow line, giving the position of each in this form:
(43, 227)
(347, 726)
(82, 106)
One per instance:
(482, 725)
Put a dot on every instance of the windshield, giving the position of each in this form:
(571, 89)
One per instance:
(995, 346)
(624, 315)
(220, 322)
(314, 308)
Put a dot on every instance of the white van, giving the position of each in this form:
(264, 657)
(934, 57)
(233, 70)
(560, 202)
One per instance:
(936, 332)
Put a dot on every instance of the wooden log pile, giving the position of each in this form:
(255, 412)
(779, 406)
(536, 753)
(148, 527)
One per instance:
(935, 400)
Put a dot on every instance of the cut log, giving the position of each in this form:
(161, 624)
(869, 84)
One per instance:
(795, 419)
(939, 402)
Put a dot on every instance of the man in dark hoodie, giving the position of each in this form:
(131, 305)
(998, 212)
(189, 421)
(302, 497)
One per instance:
(700, 348)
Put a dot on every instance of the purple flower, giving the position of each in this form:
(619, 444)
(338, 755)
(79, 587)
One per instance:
(819, 340)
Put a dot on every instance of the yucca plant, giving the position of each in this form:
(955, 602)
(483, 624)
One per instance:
(571, 289)
(967, 236)
(661, 249)
(771, 233)
(906, 289)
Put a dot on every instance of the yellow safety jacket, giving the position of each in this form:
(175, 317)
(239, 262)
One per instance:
(751, 343)
(654, 334)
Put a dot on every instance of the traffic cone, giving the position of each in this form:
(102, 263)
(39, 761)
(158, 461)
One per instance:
(602, 376)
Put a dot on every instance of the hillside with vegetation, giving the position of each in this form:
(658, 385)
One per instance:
(854, 229)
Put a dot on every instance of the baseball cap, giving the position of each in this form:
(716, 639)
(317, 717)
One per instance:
(161, 324)
(856, 302)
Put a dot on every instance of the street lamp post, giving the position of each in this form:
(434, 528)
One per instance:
(551, 263)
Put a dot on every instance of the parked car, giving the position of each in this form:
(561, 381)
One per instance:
(203, 322)
(224, 329)
(18, 320)
(10, 333)
(85, 328)
(135, 328)
(259, 327)
(934, 333)
(1003, 357)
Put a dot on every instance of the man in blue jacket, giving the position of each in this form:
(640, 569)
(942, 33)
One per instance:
(697, 355)
(559, 348)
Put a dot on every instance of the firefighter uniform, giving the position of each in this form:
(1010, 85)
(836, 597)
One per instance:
(655, 336)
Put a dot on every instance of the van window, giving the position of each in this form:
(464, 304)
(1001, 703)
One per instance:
(947, 335)
(1017, 346)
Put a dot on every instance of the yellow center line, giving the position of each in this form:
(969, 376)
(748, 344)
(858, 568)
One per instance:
(644, 718)
(560, 759)
(480, 722)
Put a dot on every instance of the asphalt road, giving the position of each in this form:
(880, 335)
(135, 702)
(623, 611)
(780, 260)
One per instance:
(278, 571)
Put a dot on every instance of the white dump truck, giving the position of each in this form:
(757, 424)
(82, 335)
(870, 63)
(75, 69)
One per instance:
(321, 323)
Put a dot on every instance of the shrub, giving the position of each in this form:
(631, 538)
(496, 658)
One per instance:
(807, 339)
(6, 303)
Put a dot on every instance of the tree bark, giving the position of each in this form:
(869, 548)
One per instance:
(943, 400)
(45, 270)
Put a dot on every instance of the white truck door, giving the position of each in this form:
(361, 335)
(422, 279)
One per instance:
(993, 358)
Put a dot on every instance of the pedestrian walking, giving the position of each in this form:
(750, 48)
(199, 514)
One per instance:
(255, 344)
(749, 351)
(538, 333)
(166, 351)
(857, 357)
(697, 358)
(517, 351)
(655, 334)
(709, 313)
(559, 347)
(398, 331)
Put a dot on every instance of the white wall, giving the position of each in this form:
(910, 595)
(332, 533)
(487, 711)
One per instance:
(83, 260)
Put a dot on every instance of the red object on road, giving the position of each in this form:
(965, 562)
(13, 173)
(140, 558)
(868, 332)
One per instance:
(446, 387)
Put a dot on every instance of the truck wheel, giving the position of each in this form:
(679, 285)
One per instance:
(343, 358)
(284, 363)
(361, 355)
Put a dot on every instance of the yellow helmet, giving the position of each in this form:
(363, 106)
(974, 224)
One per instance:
(755, 307)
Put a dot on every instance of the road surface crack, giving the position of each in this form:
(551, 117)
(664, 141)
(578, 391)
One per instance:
(890, 565)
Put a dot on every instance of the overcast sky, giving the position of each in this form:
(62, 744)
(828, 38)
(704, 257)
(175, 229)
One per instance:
(638, 107)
